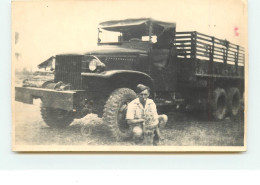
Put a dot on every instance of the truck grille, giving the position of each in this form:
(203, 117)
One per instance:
(68, 70)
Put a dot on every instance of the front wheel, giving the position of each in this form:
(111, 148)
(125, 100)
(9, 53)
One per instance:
(56, 117)
(115, 112)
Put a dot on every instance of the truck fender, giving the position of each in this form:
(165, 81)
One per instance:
(116, 79)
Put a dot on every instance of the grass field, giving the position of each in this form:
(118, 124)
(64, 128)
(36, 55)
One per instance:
(182, 129)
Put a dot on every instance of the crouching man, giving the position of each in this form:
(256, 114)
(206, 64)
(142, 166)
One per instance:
(143, 118)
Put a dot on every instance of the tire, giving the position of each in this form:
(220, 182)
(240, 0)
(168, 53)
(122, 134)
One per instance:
(234, 101)
(219, 104)
(57, 118)
(115, 112)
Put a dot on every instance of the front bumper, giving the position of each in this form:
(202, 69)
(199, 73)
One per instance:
(66, 100)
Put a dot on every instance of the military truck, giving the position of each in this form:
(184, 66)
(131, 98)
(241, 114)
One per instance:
(183, 69)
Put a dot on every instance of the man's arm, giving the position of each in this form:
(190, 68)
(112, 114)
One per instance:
(133, 121)
(130, 114)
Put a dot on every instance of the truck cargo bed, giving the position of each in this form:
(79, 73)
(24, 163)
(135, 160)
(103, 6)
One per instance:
(200, 55)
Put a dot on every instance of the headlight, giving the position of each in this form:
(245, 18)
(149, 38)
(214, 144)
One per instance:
(96, 65)
(93, 65)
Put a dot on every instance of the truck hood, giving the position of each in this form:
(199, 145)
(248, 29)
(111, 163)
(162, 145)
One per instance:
(102, 51)
(115, 50)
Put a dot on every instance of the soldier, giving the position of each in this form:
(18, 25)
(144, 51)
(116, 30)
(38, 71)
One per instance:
(142, 116)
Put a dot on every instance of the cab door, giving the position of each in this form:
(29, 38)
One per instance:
(164, 69)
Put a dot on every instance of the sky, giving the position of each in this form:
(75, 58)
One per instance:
(43, 29)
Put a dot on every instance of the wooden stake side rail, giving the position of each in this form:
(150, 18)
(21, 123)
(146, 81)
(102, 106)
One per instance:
(209, 55)
(196, 45)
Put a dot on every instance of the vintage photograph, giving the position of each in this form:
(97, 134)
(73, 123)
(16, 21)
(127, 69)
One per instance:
(149, 76)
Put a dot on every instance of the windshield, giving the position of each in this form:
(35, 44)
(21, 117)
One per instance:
(105, 36)
(142, 29)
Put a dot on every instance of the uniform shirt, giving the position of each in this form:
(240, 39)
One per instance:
(135, 109)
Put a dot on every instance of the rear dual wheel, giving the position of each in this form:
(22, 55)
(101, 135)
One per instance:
(219, 104)
(225, 102)
(234, 103)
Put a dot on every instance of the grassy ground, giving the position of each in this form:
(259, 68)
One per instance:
(182, 129)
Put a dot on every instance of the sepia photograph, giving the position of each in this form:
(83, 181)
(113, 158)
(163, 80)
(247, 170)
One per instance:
(129, 76)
